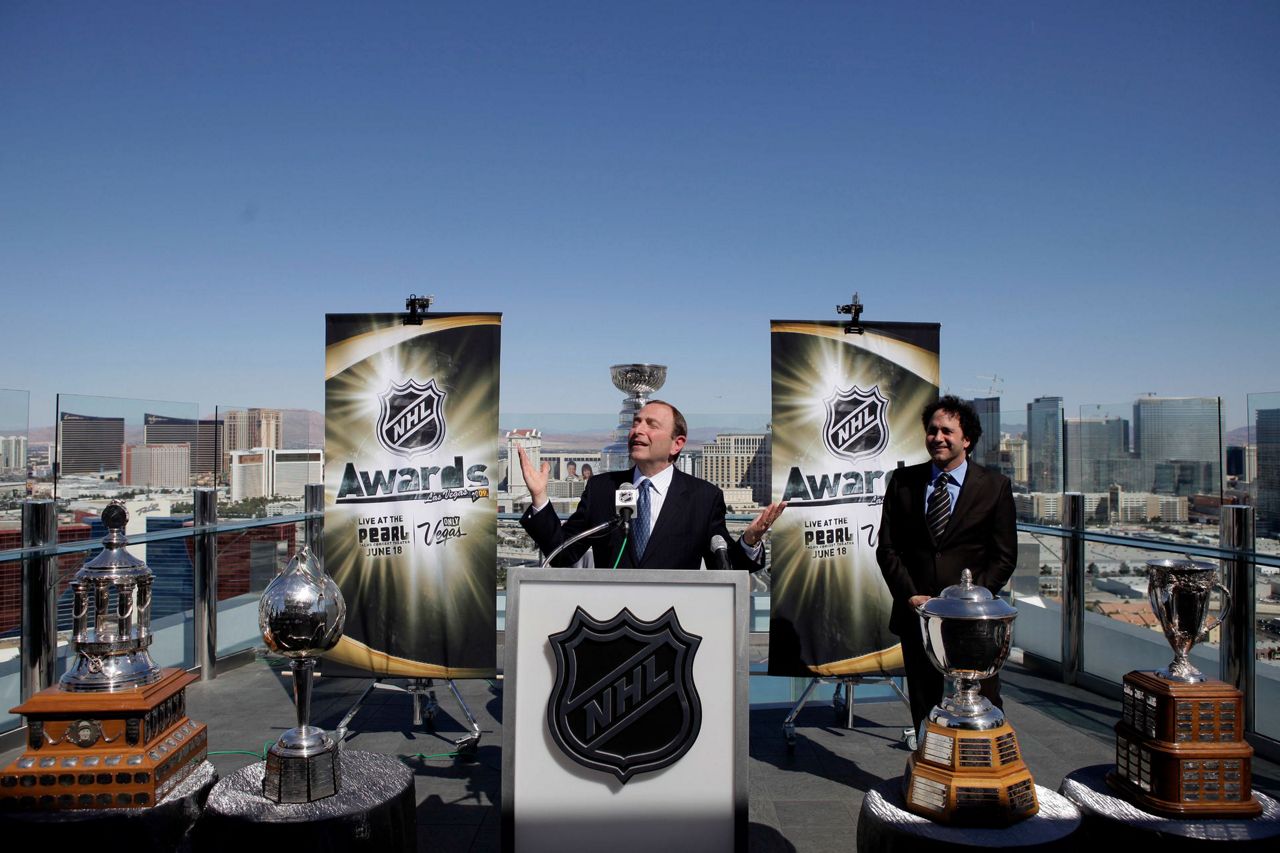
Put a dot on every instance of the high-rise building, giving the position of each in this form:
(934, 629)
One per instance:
(987, 450)
(295, 468)
(1242, 462)
(252, 473)
(156, 466)
(690, 462)
(203, 437)
(739, 461)
(264, 472)
(1267, 442)
(13, 453)
(1013, 459)
(1097, 453)
(1044, 444)
(249, 428)
(88, 444)
(1175, 438)
(531, 441)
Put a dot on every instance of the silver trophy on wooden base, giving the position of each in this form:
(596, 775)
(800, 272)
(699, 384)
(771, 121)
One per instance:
(301, 615)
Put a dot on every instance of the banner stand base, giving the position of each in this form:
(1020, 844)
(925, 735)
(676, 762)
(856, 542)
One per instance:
(425, 706)
(843, 704)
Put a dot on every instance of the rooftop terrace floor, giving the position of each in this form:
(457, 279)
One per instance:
(805, 798)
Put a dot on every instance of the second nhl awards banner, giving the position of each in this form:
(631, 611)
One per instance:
(846, 412)
(410, 533)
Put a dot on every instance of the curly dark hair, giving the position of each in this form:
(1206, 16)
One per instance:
(970, 425)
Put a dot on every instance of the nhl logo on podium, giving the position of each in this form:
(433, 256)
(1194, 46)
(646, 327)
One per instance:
(624, 701)
(411, 420)
(857, 424)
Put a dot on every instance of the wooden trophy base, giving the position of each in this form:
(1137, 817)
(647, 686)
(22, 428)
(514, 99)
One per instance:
(969, 778)
(104, 750)
(1180, 750)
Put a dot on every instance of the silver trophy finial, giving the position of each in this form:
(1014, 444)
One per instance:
(1179, 592)
(301, 615)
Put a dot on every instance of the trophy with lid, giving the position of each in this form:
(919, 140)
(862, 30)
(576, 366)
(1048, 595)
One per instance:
(301, 615)
(114, 733)
(967, 768)
(1180, 748)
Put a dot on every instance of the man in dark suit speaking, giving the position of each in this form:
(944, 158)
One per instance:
(676, 515)
(939, 518)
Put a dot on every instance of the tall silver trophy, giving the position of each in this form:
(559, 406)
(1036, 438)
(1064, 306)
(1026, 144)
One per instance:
(967, 768)
(1179, 591)
(637, 381)
(301, 615)
(1180, 746)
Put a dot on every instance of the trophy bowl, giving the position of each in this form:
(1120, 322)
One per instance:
(967, 634)
(638, 380)
(1180, 592)
(301, 613)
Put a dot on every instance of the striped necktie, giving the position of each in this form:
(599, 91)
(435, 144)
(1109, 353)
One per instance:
(938, 511)
(643, 523)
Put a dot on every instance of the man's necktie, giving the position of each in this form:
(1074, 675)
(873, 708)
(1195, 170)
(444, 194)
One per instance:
(642, 524)
(938, 510)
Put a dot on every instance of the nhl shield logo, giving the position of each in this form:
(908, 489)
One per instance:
(411, 420)
(624, 701)
(857, 423)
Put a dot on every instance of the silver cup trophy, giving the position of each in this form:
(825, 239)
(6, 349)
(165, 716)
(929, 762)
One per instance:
(967, 636)
(968, 767)
(638, 381)
(301, 615)
(1180, 591)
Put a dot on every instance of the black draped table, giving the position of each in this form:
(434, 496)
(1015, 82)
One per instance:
(160, 828)
(885, 826)
(1112, 820)
(375, 810)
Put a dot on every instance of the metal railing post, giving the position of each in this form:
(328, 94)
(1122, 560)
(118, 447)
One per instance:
(1073, 587)
(39, 642)
(205, 584)
(313, 501)
(1238, 640)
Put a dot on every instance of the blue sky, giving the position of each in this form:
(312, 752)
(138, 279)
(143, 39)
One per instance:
(1086, 196)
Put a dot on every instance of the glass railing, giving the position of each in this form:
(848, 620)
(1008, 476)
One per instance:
(124, 448)
(249, 551)
(1042, 447)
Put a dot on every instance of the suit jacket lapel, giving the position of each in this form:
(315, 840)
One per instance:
(972, 485)
(675, 504)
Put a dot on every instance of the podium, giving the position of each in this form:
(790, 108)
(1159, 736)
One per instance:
(625, 710)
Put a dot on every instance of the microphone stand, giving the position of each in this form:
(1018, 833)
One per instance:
(583, 535)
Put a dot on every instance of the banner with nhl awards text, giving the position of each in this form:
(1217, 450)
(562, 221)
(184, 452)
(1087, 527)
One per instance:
(846, 412)
(410, 528)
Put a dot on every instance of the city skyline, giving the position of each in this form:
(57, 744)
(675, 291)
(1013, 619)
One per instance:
(1084, 197)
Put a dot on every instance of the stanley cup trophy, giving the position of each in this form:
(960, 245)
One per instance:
(301, 615)
(1180, 748)
(638, 381)
(114, 733)
(967, 768)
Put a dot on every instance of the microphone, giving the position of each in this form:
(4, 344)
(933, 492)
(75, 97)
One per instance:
(721, 549)
(624, 503)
